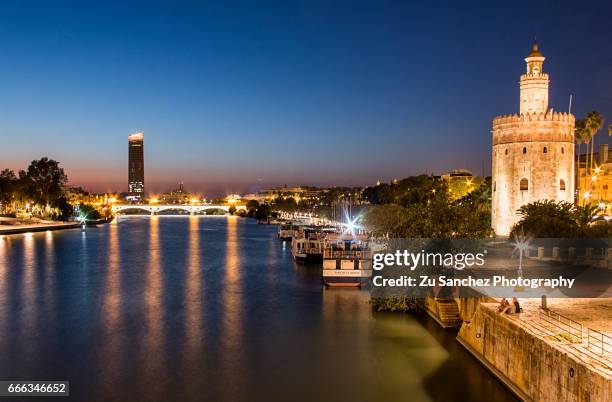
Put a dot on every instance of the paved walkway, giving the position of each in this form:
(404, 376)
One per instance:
(38, 227)
(591, 313)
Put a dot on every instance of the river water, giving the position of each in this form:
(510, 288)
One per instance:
(210, 309)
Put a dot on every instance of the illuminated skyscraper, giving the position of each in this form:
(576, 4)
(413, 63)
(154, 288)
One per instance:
(136, 165)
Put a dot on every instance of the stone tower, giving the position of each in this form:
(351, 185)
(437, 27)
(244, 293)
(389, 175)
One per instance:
(533, 152)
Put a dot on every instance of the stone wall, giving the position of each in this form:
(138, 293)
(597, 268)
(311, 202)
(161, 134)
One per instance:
(534, 369)
(537, 149)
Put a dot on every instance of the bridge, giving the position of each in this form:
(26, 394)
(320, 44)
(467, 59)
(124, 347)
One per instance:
(154, 209)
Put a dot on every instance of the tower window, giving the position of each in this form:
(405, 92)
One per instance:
(494, 186)
(545, 150)
(506, 151)
(524, 150)
(562, 150)
(562, 185)
(524, 184)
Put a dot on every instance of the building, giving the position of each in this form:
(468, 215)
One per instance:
(533, 152)
(595, 186)
(178, 196)
(136, 166)
(461, 182)
(298, 193)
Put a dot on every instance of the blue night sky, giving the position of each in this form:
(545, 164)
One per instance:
(235, 95)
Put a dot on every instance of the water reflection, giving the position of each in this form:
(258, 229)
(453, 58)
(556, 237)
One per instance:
(111, 356)
(193, 295)
(153, 311)
(28, 313)
(231, 354)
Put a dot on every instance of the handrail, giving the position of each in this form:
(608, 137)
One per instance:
(605, 341)
(564, 324)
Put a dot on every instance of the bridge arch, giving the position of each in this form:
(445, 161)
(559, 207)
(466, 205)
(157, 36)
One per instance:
(154, 209)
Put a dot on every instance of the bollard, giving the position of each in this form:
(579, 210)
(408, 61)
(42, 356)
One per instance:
(555, 253)
(544, 305)
(540, 252)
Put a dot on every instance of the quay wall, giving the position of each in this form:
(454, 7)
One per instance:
(17, 229)
(532, 368)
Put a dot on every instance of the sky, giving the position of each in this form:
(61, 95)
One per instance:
(235, 96)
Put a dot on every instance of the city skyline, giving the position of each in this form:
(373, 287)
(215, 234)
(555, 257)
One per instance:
(234, 99)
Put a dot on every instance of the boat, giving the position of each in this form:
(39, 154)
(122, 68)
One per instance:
(347, 260)
(286, 232)
(307, 248)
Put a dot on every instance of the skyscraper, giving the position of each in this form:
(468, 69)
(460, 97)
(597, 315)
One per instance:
(136, 165)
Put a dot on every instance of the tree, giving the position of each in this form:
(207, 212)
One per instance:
(285, 204)
(546, 219)
(8, 182)
(263, 212)
(89, 212)
(549, 219)
(252, 205)
(232, 210)
(594, 123)
(580, 136)
(44, 181)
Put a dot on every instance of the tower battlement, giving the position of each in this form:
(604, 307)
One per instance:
(550, 115)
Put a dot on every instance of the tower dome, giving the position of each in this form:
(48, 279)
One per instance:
(535, 51)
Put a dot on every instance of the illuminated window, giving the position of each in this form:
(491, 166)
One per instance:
(525, 150)
(562, 185)
(524, 185)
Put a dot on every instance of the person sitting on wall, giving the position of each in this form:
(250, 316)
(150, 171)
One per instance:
(517, 306)
(502, 305)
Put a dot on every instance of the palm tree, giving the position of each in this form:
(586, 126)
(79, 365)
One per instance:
(580, 135)
(585, 215)
(594, 123)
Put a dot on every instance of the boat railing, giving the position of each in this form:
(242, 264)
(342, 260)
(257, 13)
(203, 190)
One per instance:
(344, 254)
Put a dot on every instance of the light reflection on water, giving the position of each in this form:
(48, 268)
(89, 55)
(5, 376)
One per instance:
(210, 308)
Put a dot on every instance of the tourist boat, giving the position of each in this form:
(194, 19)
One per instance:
(286, 232)
(307, 248)
(347, 260)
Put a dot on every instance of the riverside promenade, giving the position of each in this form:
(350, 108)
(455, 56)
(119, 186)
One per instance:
(562, 353)
(37, 227)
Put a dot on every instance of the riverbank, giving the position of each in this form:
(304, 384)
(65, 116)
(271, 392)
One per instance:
(37, 227)
(542, 356)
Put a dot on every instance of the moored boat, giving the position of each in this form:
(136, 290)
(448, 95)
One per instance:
(286, 232)
(347, 260)
(308, 248)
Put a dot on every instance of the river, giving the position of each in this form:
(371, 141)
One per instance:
(211, 308)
